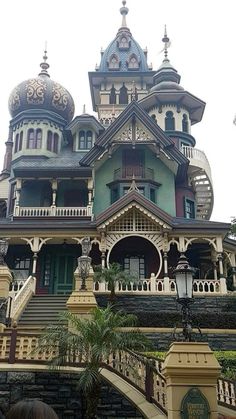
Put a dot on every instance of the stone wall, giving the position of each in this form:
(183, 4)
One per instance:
(60, 391)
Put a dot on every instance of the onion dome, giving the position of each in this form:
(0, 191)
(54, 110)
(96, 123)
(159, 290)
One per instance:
(41, 94)
(166, 77)
(123, 53)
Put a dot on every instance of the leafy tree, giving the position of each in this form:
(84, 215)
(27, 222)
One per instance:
(112, 276)
(233, 227)
(91, 341)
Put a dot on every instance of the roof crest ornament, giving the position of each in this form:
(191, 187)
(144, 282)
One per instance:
(44, 65)
(124, 11)
(167, 44)
(133, 186)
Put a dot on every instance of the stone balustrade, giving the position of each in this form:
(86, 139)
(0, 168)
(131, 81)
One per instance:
(227, 393)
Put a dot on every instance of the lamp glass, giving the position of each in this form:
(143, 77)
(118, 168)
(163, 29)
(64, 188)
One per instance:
(184, 284)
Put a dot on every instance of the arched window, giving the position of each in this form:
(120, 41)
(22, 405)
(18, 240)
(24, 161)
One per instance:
(185, 123)
(123, 42)
(113, 95)
(52, 141)
(16, 143)
(169, 121)
(30, 139)
(82, 140)
(133, 63)
(20, 141)
(123, 97)
(89, 137)
(34, 138)
(114, 62)
(153, 116)
(38, 142)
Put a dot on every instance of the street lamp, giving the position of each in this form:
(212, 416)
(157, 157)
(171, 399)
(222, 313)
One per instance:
(84, 262)
(184, 285)
(3, 250)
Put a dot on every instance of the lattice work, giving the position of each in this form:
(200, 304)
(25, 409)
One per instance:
(133, 221)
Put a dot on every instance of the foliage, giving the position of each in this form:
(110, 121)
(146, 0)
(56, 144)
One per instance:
(112, 276)
(233, 226)
(91, 341)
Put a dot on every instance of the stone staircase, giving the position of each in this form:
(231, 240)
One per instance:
(42, 311)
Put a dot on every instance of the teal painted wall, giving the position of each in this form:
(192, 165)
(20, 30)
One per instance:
(162, 174)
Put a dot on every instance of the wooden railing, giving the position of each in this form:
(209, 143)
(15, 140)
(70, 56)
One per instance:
(53, 211)
(19, 297)
(141, 372)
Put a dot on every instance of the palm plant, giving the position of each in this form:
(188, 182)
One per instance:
(112, 276)
(91, 342)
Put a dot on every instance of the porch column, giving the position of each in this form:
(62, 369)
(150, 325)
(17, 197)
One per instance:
(214, 264)
(18, 192)
(54, 195)
(90, 191)
(35, 258)
(166, 276)
(223, 287)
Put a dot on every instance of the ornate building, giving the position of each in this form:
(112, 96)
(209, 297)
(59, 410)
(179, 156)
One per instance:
(132, 179)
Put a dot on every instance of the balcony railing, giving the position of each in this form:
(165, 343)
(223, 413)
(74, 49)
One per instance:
(53, 211)
(134, 172)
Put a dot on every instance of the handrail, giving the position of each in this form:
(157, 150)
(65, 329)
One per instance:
(21, 298)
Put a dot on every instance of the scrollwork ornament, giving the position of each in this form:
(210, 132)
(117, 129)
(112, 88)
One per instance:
(35, 91)
(59, 97)
(14, 100)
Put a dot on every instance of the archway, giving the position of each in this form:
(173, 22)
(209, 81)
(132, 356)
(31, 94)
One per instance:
(136, 255)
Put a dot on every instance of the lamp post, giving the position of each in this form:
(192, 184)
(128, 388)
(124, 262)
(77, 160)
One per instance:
(3, 250)
(184, 285)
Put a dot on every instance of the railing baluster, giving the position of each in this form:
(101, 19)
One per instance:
(12, 354)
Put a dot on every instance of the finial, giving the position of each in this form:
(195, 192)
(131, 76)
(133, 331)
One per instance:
(124, 11)
(166, 41)
(84, 109)
(44, 65)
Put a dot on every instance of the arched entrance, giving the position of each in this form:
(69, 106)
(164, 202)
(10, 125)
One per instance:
(136, 255)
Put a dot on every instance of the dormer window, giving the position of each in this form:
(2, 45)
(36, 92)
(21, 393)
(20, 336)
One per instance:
(169, 121)
(123, 42)
(133, 63)
(123, 96)
(114, 63)
(85, 140)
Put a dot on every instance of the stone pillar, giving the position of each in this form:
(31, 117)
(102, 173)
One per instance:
(191, 366)
(81, 302)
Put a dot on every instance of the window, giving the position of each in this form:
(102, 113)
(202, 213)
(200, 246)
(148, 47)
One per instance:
(123, 96)
(135, 266)
(20, 141)
(133, 164)
(34, 138)
(113, 95)
(21, 267)
(16, 143)
(153, 116)
(169, 121)
(133, 63)
(185, 123)
(189, 208)
(123, 42)
(114, 195)
(153, 195)
(85, 140)
(52, 141)
(113, 62)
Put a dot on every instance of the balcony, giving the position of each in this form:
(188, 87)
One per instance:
(200, 175)
(133, 172)
(53, 211)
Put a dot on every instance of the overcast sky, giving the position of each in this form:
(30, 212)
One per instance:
(202, 34)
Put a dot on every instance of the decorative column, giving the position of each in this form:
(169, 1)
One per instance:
(5, 280)
(18, 192)
(223, 287)
(102, 285)
(165, 264)
(54, 195)
(191, 371)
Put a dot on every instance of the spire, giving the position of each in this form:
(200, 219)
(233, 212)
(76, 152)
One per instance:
(44, 65)
(124, 11)
(166, 41)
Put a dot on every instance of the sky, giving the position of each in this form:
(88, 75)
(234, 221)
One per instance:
(202, 35)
